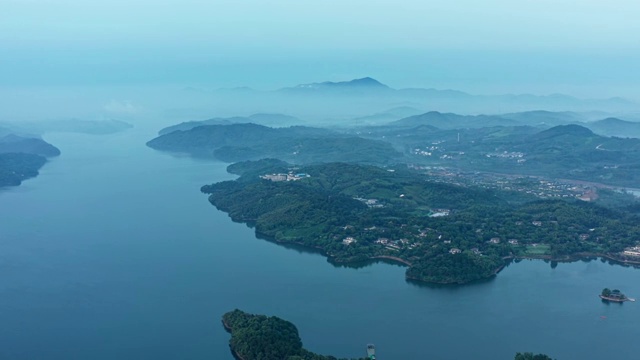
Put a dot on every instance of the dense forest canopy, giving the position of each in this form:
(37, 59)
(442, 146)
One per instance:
(260, 337)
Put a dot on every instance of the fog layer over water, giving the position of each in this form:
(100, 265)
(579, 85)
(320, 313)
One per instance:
(113, 252)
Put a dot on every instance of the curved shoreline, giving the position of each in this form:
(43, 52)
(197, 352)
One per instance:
(392, 258)
(400, 261)
(616, 300)
(580, 256)
(230, 331)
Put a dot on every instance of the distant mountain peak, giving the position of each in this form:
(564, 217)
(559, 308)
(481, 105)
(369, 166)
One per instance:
(366, 81)
(362, 83)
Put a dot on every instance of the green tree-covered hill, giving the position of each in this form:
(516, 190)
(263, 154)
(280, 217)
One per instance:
(260, 337)
(297, 144)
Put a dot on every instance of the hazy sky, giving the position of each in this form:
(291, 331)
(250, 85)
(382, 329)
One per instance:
(582, 47)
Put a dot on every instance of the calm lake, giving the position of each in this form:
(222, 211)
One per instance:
(113, 253)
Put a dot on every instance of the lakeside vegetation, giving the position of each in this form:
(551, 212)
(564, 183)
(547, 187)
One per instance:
(446, 234)
(260, 337)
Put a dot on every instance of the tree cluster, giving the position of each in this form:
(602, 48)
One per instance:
(260, 337)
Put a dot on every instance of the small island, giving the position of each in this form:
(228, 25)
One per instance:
(260, 337)
(614, 296)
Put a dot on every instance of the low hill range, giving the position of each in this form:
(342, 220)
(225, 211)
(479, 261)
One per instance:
(565, 151)
(615, 127)
(354, 95)
(516, 145)
(539, 119)
(453, 121)
(362, 86)
(272, 120)
(395, 113)
(12, 143)
(296, 144)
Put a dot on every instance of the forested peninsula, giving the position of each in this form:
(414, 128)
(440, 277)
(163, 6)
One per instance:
(444, 233)
(21, 157)
(17, 167)
(260, 337)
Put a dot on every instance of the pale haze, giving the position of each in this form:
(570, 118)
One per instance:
(416, 179)
(585, 48)
(85, 58)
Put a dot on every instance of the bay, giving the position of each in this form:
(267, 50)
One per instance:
(112, 252)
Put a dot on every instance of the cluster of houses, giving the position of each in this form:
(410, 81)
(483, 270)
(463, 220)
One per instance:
(539, 187)
(477, 251)
(372, 203)
(349, 240)
(632, 251)
(284, 177)
(396, 244)
(454, 251)
(496, 240)
(440, 212)
(388, 243)
(507, 155)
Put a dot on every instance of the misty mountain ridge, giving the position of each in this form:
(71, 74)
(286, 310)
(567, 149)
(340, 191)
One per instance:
(538, 119)
(544, 117)
(13, 143)
(570, 130)
(396, 113)
(363, 83)
(369, 83)
(616, 127)
(368, 96)
(453, 121)
(272, 120)
(296, 144)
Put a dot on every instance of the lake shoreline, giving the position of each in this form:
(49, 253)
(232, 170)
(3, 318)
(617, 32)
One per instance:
(229, 329)
(403, 262)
